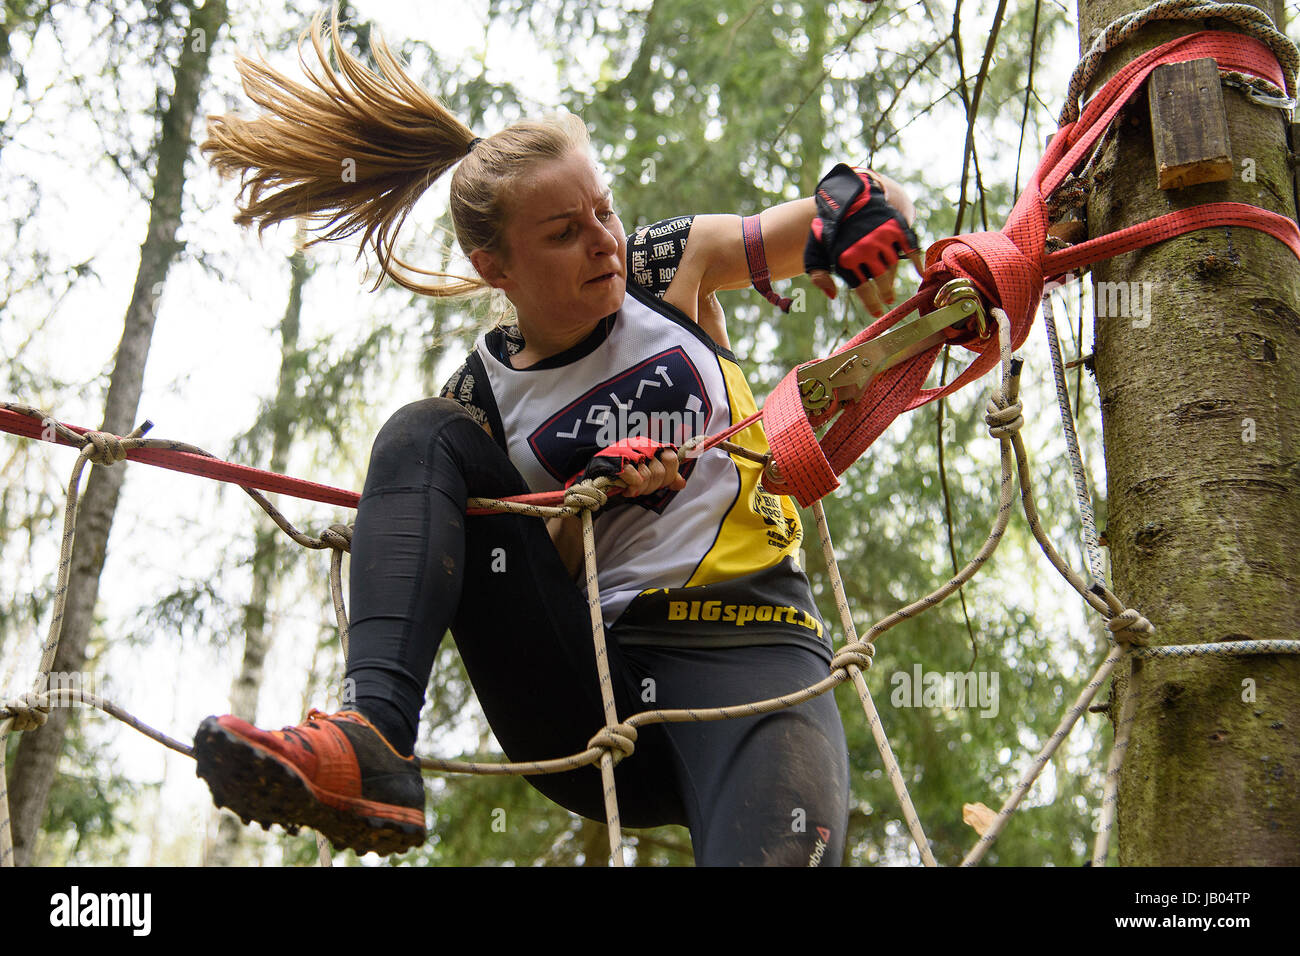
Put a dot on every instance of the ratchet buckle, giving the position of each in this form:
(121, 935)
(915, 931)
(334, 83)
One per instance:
(824, 386)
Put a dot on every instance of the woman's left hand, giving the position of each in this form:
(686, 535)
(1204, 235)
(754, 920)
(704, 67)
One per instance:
(862, 229)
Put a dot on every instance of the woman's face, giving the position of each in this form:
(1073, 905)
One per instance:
(563, 261)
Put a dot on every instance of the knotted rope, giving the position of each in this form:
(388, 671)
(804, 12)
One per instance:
(617, 739)
(27, 711)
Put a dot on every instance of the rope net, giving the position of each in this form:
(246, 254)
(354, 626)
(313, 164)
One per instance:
(617, 738)
(856, 428)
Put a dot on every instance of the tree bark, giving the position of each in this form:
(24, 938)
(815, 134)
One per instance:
(248, 682)
(38, 752)
(1200, 401)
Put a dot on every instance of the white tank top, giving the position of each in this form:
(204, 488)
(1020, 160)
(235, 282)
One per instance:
(712, 565)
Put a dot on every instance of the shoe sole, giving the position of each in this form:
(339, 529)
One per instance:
(258, 786)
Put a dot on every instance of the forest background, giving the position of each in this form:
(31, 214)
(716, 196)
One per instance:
(286, 359)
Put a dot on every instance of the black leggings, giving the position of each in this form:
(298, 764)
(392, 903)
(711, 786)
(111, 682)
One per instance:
(769, 789)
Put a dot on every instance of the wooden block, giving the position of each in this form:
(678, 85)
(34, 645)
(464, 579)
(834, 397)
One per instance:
(1189, 124)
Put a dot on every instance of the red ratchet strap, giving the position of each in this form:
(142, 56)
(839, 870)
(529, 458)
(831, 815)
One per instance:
(25, 426)
(1008, 268)
(757, 261)
(192, 464)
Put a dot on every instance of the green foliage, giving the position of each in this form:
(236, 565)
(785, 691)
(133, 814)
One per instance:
(193, 608)
(84, 809)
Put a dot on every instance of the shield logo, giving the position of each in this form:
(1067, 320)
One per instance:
(662, 398)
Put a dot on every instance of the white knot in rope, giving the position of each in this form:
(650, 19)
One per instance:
(337, 536)
(107, 448)
(688, 447)
(1003, 420)
(620, 740)
(857, 653)
(28, 711)
(1130, 627)
(584, 496)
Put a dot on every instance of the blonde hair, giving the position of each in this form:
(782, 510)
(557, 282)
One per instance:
(356, 150)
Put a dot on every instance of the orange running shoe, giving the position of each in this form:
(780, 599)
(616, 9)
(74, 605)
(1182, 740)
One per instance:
(334, 773)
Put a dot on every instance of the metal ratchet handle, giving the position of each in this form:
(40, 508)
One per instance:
(843, 377)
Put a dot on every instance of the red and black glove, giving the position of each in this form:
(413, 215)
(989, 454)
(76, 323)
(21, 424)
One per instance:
(856, 233)
(611, 460)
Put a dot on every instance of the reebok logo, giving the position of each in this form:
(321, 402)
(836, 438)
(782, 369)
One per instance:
(823, 839)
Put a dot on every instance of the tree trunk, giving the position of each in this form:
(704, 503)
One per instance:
(38, 752)
(248, 682)
(1200, 401)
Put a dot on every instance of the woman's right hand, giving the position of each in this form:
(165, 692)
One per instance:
(644, 466)
(660, 472)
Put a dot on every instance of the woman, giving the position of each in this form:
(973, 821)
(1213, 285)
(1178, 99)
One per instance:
(617, 353)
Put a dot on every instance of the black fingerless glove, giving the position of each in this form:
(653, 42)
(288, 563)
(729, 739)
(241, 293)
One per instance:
(856, 233)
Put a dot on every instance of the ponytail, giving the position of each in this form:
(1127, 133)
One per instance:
(354, 150)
